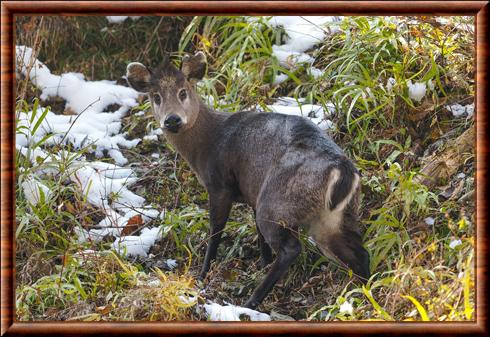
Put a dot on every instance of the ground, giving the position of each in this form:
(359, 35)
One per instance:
(112, 223)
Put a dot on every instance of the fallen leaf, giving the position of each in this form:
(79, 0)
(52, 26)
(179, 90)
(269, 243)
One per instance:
(105, 309)
(69, 111)
(134, 223)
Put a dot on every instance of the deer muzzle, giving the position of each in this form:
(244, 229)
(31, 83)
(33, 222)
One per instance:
(173, 123)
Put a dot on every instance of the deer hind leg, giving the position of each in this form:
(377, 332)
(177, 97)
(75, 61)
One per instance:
(264, 248)
(287, 248)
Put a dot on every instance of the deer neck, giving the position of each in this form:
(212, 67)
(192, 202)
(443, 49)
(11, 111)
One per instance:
(195, 142)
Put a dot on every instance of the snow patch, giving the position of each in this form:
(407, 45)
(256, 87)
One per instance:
(231, 312)
(280, 78)
(80, 95)
(316, 73)
(303, 33)
(90, 125)
(171, 263)
(459, 110)
(390, 83)
(138, 245)
(98, 187)
(150, 138)
(430, 221)
(430, 85)
(346, 308)
(416, 91)
(316, 113)
(120, 19)
(33, 189)
(455, 243)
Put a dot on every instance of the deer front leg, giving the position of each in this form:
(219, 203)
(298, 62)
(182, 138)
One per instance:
(219, 209)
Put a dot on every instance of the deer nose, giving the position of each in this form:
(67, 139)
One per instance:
(172, 123)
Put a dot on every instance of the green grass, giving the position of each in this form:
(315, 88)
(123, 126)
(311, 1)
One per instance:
(417, 275)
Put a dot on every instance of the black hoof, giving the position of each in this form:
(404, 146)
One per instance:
(251, 304)
(263, 264)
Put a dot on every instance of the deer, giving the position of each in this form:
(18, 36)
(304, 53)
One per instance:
(294, 176)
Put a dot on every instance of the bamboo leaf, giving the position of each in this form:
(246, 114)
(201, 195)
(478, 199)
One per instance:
(420, 308)
(376, 305)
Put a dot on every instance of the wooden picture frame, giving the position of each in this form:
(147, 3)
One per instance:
(479, 9)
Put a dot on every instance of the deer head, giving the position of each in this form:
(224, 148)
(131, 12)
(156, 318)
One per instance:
(174, 100)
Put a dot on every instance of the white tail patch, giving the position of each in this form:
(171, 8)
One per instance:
(341, 205)
(334, 176)
(328, 221)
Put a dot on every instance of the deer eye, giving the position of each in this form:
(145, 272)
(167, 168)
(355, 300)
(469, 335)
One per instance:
(157, 99)
(182, 94)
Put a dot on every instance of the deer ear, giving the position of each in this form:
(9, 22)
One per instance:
(138, 77)
(194, 67)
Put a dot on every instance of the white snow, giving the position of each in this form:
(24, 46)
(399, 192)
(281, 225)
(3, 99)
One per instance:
(157, 131)
(98, 187)
(151, 138)
(171, 263)
(231, 312)
(88, 128)
(120, 19)
(116, 19)
(137, 245)
(147, 213)
(316, 113)
(390, 83)
(87, 100)
(280, 78)
(346, 308)
(188, 299)
(442, 20)
(455, 243)
(154, 283)
(298, 110)
(32, 190)
(80, 95)
(303, 33)
(315, 72)
(153, 135)
(416, 91)
(459, 110)
(289, 101)
(112, 171)
(324, 124)
(115, 219)
(288, 57)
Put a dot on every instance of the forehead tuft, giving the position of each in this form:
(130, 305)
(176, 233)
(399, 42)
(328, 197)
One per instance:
(167, 75)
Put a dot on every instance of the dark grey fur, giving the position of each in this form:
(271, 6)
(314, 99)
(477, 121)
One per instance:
(278, 164)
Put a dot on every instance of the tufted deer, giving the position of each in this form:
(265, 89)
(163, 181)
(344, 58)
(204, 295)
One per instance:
(284, 167)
